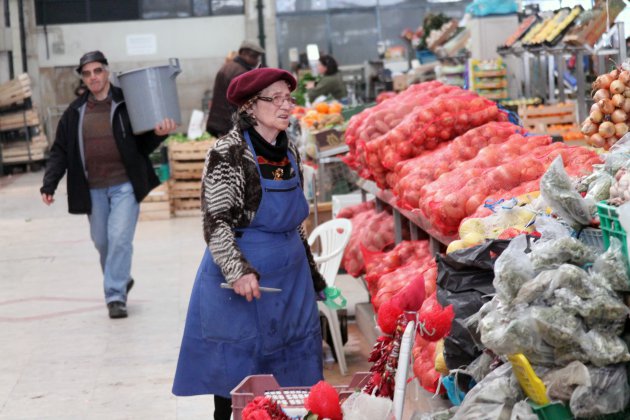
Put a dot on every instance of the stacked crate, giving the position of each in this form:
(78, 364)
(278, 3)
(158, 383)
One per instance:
(156, 205)
(556, 119)
(186, 161)
(21, 137)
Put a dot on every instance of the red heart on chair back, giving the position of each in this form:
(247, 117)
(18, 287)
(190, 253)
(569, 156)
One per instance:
(340, 230)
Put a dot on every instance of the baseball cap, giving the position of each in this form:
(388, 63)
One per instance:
(90, 57)
(251, 45)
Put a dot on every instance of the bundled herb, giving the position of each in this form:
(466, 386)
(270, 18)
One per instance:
(552, 254)
(512, 270)
(604, 349)
(612, 266)
(556, 326)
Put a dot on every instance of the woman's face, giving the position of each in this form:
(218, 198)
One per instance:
(321, 69)
(269, 115)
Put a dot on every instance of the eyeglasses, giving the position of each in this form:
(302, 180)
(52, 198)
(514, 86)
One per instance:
(278, 100)
(97, 72)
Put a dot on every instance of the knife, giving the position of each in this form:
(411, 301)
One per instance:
(261, 288)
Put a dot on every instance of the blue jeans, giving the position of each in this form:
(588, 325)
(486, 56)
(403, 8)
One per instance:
(112, 227)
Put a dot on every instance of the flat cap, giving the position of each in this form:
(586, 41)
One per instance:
(91, 57)
(245, 86)
(251, 45)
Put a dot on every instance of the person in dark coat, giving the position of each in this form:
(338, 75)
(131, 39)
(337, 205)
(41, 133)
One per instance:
(330, 82)
(108, 172)
(220, 117)
(253, 308)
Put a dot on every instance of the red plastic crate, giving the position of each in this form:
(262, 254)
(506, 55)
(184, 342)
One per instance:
(291, 398)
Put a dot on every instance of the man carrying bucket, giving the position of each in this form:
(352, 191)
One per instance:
(109, 172)
(220, 117)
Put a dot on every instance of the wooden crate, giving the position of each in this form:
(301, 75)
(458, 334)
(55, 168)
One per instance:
(185, 207)
(15, 91)
(17, 151)
(20, 119)
(185, 189)
(182, 169)
(540, 118)
(156, 205)
(193, 150)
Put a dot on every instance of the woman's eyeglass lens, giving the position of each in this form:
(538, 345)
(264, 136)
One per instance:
(97, 71)
(278, 100)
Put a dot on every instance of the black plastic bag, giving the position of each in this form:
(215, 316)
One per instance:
(464, 280)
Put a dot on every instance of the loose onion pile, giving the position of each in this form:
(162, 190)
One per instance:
(609, 116)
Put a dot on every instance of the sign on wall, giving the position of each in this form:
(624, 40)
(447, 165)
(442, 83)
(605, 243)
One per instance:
(141, 44)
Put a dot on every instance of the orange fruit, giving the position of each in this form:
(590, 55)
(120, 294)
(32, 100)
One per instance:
(335, 108)
(322, 108)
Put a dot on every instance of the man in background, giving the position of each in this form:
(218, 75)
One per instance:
(220, 117)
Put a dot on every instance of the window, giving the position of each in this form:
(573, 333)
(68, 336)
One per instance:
(50, 12)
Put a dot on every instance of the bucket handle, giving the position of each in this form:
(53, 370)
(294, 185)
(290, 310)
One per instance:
(175, 69)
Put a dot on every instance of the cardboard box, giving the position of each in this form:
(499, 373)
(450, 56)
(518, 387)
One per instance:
(328, 139)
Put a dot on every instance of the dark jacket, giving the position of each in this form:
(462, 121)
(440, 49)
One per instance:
(220, 117)
(329, 85)
(67, 154)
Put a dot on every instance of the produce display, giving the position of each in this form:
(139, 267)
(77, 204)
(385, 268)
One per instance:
(557, 32)
(489, 78)
(610, 114)
(523, 27)
(591, 24)
(548, 26)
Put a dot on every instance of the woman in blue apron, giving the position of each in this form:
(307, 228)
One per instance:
(254, 206)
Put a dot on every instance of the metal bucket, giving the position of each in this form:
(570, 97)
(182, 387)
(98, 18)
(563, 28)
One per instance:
(151, 95)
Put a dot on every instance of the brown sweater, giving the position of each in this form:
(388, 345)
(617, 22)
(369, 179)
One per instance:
(102, 158)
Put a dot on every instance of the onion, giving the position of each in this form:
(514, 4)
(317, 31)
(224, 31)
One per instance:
(596, 116)
(606, 106)
(597, 140)
(614, 74)
(626, 105)
(617, 100)
(594, 107)
(606, 129)
(617, 86)
(626, 92)
(619, 116)
(621, 129)
(589, 127)
(601, 94)
(624, 76)
(602, 82)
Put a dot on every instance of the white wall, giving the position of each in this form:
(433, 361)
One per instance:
(190, 38)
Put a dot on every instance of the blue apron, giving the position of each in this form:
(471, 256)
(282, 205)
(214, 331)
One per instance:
(227, 338)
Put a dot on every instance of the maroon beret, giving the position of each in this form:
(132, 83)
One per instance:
(245, 86)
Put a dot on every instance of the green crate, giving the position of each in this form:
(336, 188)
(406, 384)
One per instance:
(551, 411)
(350, 111)
(611, 228)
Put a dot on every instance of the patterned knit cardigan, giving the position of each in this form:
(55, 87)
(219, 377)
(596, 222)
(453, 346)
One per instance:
(230, 196)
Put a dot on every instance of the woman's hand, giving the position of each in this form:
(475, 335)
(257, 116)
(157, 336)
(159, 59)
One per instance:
(164, 127)
(247, 286)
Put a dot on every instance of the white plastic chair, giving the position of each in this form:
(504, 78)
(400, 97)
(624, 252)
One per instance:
(402, 370)
(333, 237)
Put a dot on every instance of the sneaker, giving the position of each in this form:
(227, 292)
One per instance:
(129, 285)
(117, 310)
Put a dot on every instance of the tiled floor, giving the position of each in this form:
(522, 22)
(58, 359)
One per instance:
(61, 357)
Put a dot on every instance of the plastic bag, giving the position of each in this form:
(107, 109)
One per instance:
(512, 270)
(493, 398)
(552, 254)
(604, 349)
(361, 406)
(608, 392)
(557, 189)
(514, 330)
(562, 382)
(558, 327)
(618, 155)
(534, 289)
(599, 189)
(523, 411)
(611, 266)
